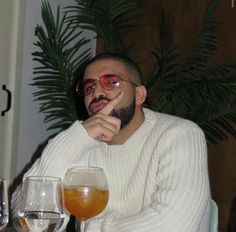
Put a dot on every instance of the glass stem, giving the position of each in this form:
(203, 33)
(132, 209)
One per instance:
(82, 226)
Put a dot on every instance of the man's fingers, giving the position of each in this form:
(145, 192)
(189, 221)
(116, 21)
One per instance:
(110, 106)
(102, 127)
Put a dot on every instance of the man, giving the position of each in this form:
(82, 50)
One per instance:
(155, 164)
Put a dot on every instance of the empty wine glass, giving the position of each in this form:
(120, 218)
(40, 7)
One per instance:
(41, 207)
(85, 192)
(3, 205)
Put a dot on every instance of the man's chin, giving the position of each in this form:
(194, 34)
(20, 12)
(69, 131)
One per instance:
(93, 112)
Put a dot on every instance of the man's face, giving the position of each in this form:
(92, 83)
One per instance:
(99, 97)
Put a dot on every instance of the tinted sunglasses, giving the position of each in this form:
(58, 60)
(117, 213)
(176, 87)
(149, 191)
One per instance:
(107, 82)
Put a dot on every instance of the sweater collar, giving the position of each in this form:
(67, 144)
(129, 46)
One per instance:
(138, 138)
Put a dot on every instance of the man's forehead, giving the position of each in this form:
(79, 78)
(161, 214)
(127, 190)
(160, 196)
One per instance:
(102, 67)
(105, 63)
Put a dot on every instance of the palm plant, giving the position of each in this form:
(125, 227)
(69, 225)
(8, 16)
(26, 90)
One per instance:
(61, 51)
(195, 90)
(58, 60)
(110, 19)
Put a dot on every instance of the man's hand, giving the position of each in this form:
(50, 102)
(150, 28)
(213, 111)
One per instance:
(102, 126)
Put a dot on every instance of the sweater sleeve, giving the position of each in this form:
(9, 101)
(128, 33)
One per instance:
(181, 198)
(67, 148)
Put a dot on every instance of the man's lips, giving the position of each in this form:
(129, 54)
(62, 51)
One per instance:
(96, 106)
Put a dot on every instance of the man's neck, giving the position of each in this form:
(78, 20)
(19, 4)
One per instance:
(126, 132)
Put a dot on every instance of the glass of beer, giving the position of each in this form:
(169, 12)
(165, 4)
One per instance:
(85, 192)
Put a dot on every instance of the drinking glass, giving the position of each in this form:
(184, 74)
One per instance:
(3, 205)
(42, 208)
(85, 192)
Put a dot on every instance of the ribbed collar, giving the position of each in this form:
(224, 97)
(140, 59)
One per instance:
(136, 139)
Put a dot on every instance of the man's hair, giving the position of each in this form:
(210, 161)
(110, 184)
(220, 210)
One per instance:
(130, 65)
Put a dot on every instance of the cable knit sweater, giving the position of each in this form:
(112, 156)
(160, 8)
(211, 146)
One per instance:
(158, 179)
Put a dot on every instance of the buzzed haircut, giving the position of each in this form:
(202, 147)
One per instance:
(129, 64)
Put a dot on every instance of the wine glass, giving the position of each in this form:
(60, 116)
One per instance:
(42, 208)
(85, 192)
(4, 211)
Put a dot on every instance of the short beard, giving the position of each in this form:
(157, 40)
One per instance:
(124, 114)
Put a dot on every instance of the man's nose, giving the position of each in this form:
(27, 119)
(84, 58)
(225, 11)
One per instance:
(98, 90)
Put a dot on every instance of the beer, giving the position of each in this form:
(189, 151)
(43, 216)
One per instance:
(85, 202)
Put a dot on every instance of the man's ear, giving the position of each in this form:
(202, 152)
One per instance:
(141, 94)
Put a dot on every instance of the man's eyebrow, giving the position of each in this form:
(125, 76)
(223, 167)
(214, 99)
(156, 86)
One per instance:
(86, 78)
(90, 77)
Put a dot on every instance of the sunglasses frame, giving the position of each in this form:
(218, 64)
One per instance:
(82, 82)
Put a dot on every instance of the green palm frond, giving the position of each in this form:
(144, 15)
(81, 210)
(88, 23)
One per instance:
(205, 46)
(110, 19)
(217, 95)
(197, 91)
(163, 78)
(59, 55)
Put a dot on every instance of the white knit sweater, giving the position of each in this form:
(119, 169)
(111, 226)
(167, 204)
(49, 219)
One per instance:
(158, 179)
